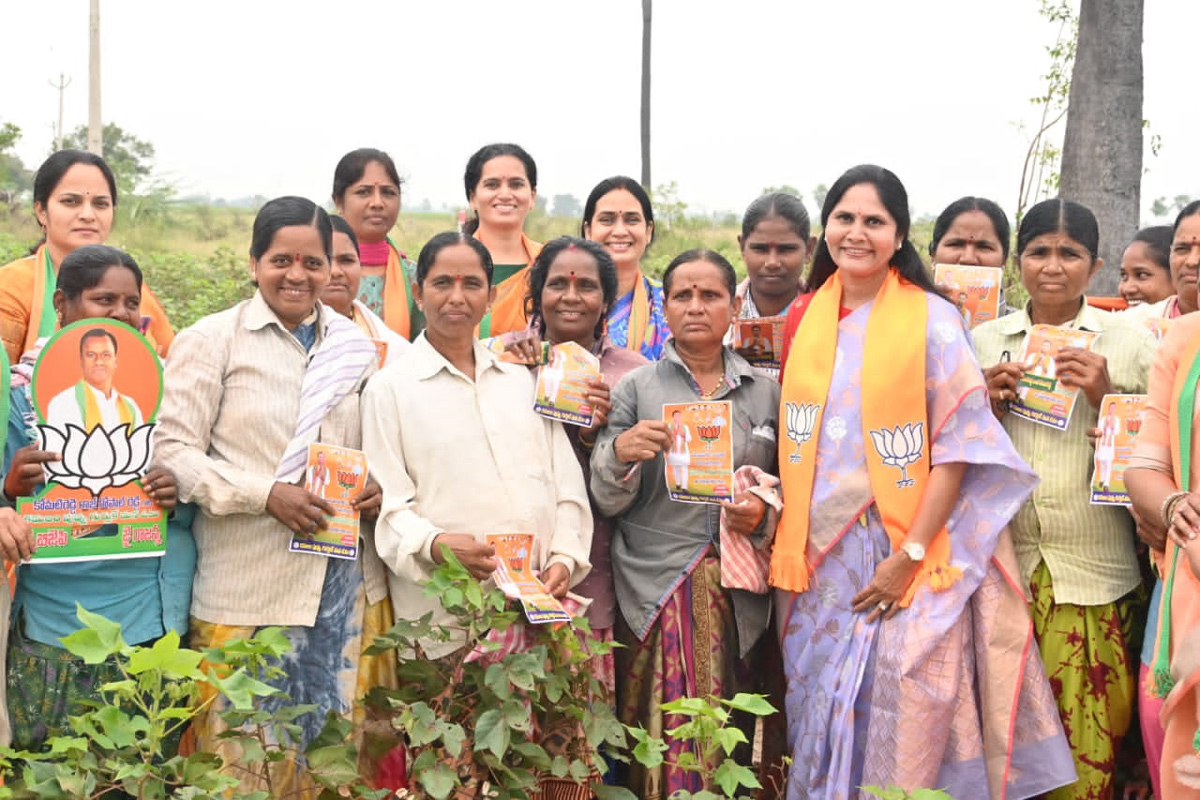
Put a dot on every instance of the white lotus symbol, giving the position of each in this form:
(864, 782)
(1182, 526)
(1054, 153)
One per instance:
(97, 460)
(801, 418)
(900, 447)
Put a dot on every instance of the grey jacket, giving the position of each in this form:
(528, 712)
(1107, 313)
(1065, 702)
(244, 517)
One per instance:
(658, 540)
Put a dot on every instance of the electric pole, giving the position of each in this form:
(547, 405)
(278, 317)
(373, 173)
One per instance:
(95, 126)
(63, 83)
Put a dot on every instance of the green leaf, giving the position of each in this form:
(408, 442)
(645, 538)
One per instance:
(166, 656)
(751, 703)
(516, 715)
(730, 774)
(534, 754)
(496, 679)
(241, 689)
(649, 749)
(439, 780)
(453, 738)
(688, 706)
(98, 641)
(491, 733)
(603, 792)
(729, 738)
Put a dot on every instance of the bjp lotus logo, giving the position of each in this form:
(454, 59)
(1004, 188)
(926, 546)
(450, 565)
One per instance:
(98, 460)
(900, 447)
(801, 418)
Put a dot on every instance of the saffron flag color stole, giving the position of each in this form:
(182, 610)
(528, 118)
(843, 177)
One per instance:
(895, 421)
(397, 294)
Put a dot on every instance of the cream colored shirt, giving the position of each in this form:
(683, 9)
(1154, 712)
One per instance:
(231, 395)
(1088, 549)
(462, 455)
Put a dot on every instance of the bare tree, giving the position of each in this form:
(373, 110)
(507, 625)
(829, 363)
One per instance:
(1102, 151)
(646, 8)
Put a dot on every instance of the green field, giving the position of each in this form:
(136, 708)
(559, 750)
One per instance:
(194, 256)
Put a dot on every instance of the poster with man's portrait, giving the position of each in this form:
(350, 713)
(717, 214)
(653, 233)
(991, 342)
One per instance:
(96, 389)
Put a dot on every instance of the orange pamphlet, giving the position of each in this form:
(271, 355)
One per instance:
(337, 475)
(1040, 396)
(562, 384)
(1119, 425)
(699, 461)
(974, 291)
(515, 578)
(760, 340)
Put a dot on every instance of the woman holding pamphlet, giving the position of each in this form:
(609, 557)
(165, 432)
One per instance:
(366, 192)
(688, 630)
(75, 200)
(898, 484)
(776, 242)
(618, 216)
(1162, 484)
(572, 285)
(466, 464)
(249, 392)
(342, 293)
(973, 231)
(1077, 559)
(147, 596)
(501, 184)
(969, 248)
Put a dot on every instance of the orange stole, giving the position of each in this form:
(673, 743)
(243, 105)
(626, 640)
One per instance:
(895, 422)
(639, 315)
(508, 310)
(396, 294)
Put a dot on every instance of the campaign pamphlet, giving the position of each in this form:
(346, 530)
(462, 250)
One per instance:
(1040, 396)
(1120, 423)
(760, 340)
(699, 461)
(337, 475)
(514, 576)
(975, 291)
(562, 384)
(381, 350)
(95, 391)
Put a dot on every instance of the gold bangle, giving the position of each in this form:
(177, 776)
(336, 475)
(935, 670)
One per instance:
(1167, 510)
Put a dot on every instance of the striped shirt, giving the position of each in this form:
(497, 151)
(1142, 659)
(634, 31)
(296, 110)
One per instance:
(1088, 549)
(231, 396)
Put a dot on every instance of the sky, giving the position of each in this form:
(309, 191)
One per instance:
(263, 97)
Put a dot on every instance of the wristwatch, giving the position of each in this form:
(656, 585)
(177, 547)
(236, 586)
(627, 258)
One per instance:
(914, 550)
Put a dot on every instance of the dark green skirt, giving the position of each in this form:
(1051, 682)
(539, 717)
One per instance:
(46, 686)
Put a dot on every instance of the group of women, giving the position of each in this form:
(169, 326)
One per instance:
(922, 584)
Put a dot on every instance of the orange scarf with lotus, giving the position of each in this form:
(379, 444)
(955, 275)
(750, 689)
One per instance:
(895, 421)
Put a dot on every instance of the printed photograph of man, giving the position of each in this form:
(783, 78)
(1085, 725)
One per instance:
(94, 400)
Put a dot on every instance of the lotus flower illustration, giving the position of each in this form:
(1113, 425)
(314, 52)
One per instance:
(98, 460)
(709, 433)
(900, 447)
(801, 418)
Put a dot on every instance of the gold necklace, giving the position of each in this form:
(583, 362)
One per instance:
(708, 395)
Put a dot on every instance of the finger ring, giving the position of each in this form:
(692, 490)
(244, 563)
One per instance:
(883, 606)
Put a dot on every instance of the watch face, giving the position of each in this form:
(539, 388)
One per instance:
(914, 551)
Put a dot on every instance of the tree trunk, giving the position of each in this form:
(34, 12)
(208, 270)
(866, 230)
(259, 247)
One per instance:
(1102, 151)
(646, 8)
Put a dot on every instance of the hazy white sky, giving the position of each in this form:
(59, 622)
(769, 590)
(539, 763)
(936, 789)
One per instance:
(263, 96)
